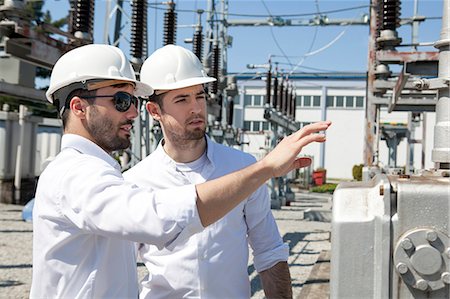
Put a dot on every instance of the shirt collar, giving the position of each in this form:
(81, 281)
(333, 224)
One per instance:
(169, 161)
(85, 146)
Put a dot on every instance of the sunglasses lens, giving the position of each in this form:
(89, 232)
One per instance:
(123, 100)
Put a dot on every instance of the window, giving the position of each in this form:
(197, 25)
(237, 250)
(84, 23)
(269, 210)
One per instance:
(307, 101)
(349, 101)
(298, 100)
(247, 125)
(247, 100)
(237, 100)
(339, 101)
(265, 125)
(257, 100)
(359, 101)
(330, 100)
(316, 101)
(256, 126)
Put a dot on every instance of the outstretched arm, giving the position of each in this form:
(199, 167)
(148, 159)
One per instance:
(276, 281)
(217, 197)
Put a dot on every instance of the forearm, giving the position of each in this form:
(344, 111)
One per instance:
(276, 281)
(217, 197)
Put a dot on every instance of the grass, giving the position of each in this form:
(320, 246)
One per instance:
(325, 188)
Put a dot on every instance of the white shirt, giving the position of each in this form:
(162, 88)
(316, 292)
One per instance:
(86, 219)
(211, 264)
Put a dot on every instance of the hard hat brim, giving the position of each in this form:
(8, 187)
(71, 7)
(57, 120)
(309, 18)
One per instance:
(185, 83)
(141, 89)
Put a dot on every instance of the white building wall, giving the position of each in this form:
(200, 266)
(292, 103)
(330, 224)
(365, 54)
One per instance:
(344, 147)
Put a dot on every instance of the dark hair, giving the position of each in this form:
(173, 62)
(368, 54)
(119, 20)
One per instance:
(74, 93)
(158, 99)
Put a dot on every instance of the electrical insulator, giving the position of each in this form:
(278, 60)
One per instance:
(220, 103)
(170, 23)
(390, 13)
(281, 95)
(83, 18)
(286, 99)
(275, 93)
(230, 112)
(294, 100)
(289, 101)
(138, 24)
(215, 69)
(197, 44)
(293, 106)
(268, 86)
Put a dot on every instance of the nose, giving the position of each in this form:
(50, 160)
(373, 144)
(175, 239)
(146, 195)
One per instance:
(196, 106)
(133, 111)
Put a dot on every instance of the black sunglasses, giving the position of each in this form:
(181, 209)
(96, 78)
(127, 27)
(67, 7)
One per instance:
(122, 100)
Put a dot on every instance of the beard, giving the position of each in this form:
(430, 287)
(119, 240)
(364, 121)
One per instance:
(184, 135)
(105, 132)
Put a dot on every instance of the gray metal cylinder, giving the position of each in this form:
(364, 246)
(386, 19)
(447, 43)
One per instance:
(441, 149)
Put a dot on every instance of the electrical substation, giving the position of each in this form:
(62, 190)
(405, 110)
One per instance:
(390, 232)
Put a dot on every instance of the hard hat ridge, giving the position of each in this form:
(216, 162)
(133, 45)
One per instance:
(93, 62)
(173, 67)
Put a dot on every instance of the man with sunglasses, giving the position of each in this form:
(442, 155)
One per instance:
(86, 217)
(213, 263)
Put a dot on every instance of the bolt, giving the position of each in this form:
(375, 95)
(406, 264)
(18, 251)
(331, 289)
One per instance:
(445, 277)
(402, 268)
(406, 244)
(421, 84)
(422, 285)
(432, 236)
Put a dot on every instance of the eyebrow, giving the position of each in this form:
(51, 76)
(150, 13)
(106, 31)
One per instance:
(187, 94)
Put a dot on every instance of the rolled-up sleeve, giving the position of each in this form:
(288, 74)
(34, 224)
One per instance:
(263, 235)
(102, 202)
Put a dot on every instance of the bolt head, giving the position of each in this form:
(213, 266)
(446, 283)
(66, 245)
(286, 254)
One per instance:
(422, 285)
(402, 268)
(432, 236)
(445, 277)
(406, 244)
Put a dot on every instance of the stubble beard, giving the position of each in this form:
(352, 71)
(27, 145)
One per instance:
(105, 133)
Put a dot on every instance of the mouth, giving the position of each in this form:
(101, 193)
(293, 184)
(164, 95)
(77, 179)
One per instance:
(126, 128)
(196, 121)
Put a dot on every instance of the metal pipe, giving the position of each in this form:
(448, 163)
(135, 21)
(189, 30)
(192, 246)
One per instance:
(441, 150)
(20, 146)
(323, 108)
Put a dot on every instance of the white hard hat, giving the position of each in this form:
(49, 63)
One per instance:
(93, 62)
(173, 67)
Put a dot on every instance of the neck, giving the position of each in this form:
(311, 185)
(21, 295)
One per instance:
(185, 152)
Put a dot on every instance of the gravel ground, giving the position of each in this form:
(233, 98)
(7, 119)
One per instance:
(306, 231)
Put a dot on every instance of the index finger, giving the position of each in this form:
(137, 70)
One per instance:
(312, 128)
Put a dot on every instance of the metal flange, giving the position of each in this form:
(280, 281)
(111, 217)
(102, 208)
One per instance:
(422, 259)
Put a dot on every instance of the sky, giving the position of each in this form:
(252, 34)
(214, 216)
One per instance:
(299, 48)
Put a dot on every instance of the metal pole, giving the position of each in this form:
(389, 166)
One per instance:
(323, 109)
(441, 151)
(370, 116)
(415, 27)
(18, 171)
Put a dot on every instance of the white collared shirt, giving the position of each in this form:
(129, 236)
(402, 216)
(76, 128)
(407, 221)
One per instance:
(86, 219)
(211, 264)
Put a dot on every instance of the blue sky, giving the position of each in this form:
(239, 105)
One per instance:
(337, 48)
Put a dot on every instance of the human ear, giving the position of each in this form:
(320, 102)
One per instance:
(154, 110)
(77, 106)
